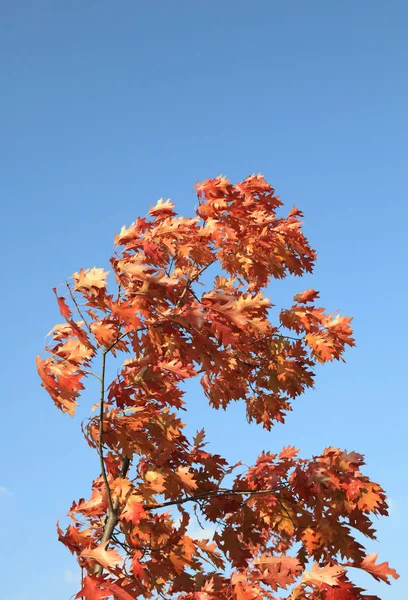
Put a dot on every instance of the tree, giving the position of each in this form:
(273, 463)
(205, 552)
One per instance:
(286, 522)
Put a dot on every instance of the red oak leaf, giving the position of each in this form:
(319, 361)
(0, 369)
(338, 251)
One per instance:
(106, 558)
(380, 572)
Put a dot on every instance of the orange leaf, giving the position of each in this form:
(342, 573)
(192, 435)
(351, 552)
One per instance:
(63, 306)
(288, 452)
(164, 207)
(306, 296)
(380, 572)
(105, 333)
(90, 279)
(134, 511)
(108, 559)
(186, 478)
(92, 589)
(177, 367)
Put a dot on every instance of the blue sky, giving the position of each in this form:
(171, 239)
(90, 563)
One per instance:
(106, 107)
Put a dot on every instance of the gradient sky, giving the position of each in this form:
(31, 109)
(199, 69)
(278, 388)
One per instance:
(106, 107)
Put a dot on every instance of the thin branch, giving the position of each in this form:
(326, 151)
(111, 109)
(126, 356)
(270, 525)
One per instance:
(90, 373)
(109, 348)
(124, 545)
(100, 442)
(190, 281)
(170, 266)
(112, 516)
(207, 496)
(286, 337)
(286, 511)
(79, 311)
(205, 268)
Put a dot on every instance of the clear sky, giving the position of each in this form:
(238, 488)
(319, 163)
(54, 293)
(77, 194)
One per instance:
(107, 106)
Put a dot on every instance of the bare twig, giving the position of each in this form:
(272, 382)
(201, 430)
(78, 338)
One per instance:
(79, 311)
(286, 337)
(90, 373)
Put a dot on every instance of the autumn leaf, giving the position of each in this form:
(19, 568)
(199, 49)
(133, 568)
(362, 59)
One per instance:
(306, 296)
(295, 212)
(380, 572)
(119, 592)
(186, 478)
(162, 207)
(137, 567)
(108, 559)
(243, 590)
(96, 588)
(74, 351)
(177, 367)
(105, 333)
(134, 510)
(278, 571)
(328, 575)
(90, 279)
(91, 589)
(288, 452)
(63, 306)
(121, 487)
(156, 480)
(199, 438)
(345, 590)
(371, 498)
(96, 503)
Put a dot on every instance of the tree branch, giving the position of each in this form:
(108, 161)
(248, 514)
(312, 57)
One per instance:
(286, 337)
(112, 516)
(207, 496)
(79, 311)
(100, 442)
(109, 348)
(190, 281)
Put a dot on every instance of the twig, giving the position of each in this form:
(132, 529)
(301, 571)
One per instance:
(79, 311)
(90, 373)
(207, 496)
(190, 281)
(170, 266)
(109, 348)
(286, 337)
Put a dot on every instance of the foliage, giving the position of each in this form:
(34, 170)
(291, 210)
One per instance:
(286, 522)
